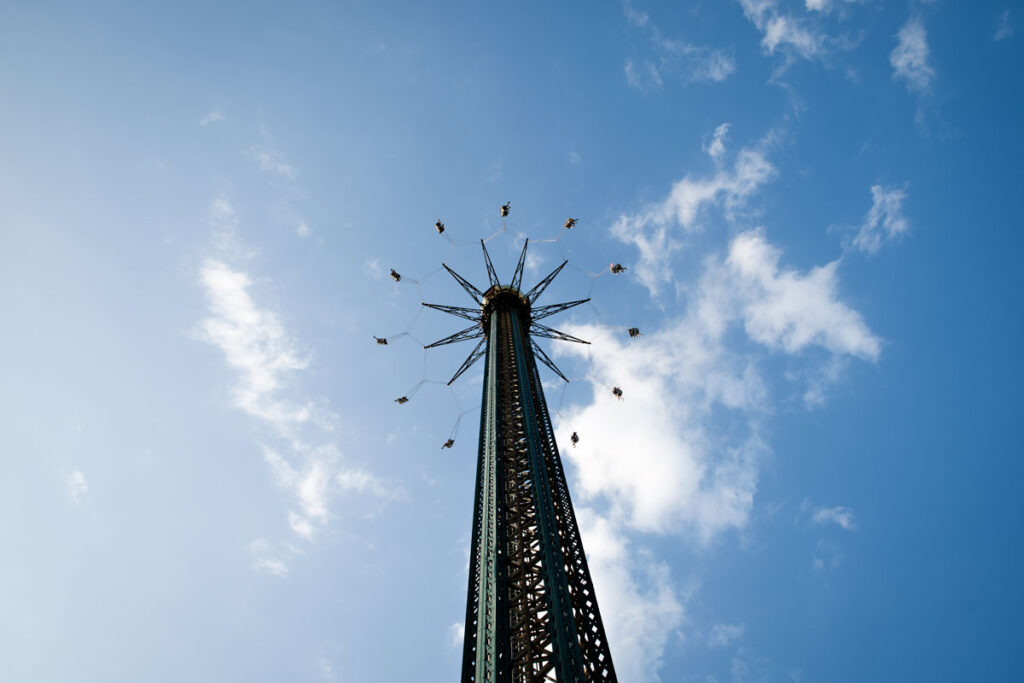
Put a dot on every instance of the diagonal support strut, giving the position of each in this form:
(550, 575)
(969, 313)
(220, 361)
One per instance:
(546, 311)
(477, 295)
(473, 357)
(471, 332)
(539, 288)
(517, 277)
(545, 360)
(467, 313)
(539, 330)
(492, 276)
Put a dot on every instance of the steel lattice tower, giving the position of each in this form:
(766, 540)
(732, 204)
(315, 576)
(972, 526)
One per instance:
(531, 612)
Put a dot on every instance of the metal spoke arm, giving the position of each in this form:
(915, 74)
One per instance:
(471, 332)
(538, 330)
(477, 295)
(547, 361)
(539, 288)
(545, 311)
(492, 276)
(517, 277)
(472, 358)
(467, 313)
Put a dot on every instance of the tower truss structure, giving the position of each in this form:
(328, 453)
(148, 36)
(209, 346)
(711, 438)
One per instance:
(531, 611)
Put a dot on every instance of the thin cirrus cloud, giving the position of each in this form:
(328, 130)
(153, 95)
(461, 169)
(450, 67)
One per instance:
(670, 56)
(267, 359)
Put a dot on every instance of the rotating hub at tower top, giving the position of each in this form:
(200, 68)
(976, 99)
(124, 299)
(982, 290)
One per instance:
(503, 297)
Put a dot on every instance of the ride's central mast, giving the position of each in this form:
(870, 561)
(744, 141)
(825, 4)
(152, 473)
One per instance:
(531, 612)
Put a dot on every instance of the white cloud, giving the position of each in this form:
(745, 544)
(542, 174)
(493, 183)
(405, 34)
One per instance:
(909, 58)
(650, 229)
(716, 148)
(654, 455)
(784, 309)
(826, 556)
(361, 481)
(265, 560)
(636, 17)
(76, 486)
(825, 6)
(724, 634)
(884, 221)
(642, 77)
(254, 342)
(326, 669)
(303, 229)
(681, 453)
(782, 31)
(651, 454)
(211, 117)
(321, 477)
(271, 162)
(456, 635)
(836, 515)
(820, 379)
(1004, 29)
(639, 606)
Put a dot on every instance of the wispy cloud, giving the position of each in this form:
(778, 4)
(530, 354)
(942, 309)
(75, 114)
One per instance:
(271, 162)
(211, 118)
(909, 58)
(716, 148)
(265, 560)
(782, 31)
(254, 341)
(1004, 29)
(840, 515)
(326, 669)
(669, 56)
(884, 221)
(651, 230)
(826, 6)
(75, 486)
(722, 635)
(456, 635)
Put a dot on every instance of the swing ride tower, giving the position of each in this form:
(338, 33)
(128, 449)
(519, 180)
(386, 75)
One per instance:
(531, 611)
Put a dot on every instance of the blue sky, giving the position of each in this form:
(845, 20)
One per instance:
(814, 474)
